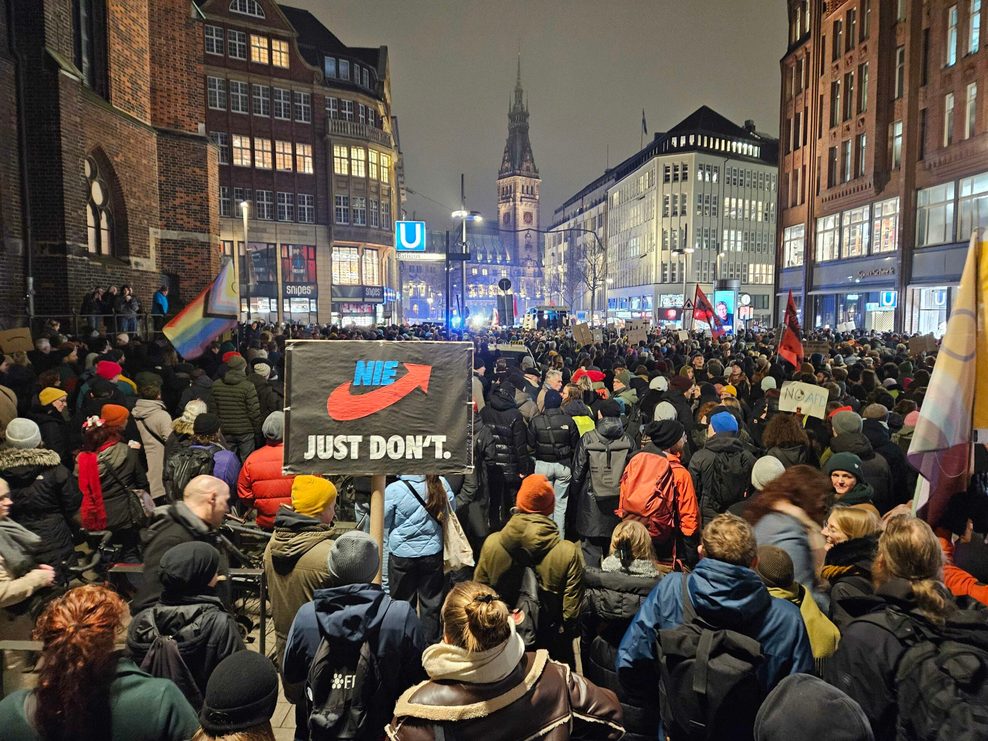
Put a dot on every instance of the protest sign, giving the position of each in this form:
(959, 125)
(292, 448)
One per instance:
(811, 346)
(683, 335)
(582, 335)
(921, 344)
(13, 340)
(365, 407)
(803, 398)
(636, 331)
(598, 336)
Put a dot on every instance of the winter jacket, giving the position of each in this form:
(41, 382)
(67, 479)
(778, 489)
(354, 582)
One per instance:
(648, 402)
(553, 436)
(204, 631)
(141, 708)
(127, 306)
(874, 468)
(593, 518)
(614, 596)
(725, 596)
(54, 432)
(533, 540)
(125, 462)
(959, 582)
(8, 406)
(702, 467)
(237, 405)
(410, 530)
(540, 699)
(200, 388)
(789, 533)
(795, 455)
(472, 501)
(44, 499)
(154, 425)
(881, 440)
(295, 567)
(822, 633)
(510, 434)
(262, 485)
(684, 412)
(226, 465)
(359, 613)
(847, 569)
(268, 397)
(170, 525)
(580, 413)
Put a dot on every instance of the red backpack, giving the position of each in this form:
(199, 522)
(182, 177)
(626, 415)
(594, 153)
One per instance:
(648, 494)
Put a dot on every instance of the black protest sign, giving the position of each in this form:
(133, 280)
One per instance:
(366, 407)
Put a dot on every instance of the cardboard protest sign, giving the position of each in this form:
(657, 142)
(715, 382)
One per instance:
(683, 335)
(598, 336)
(921, 344)
(810, 347)
(636, 331)
(366, 407)
(803, 398)
(582, 334)
(14, 340)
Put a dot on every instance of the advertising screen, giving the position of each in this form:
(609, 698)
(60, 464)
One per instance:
(725, 303)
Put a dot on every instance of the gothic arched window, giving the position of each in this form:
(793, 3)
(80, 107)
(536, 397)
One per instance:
(99, 217)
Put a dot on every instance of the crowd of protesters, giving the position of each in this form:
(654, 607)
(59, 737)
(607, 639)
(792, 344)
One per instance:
(660, 551)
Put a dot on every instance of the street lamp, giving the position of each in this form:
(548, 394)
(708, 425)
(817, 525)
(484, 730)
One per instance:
(244, 210)
(464, 216)
(683, 252)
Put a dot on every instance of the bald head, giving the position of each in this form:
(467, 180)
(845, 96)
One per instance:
(208, 498)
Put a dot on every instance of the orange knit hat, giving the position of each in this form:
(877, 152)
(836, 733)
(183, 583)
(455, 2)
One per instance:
(536, 496)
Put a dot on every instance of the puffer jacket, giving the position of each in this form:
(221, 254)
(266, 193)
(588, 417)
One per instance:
(269, 397)
(295, 566)
(533, 540)
(510, 434)
(237, 405)
(44, 499)
(553, 436)
(703, 463)
(593, 518)
(874, 468)
(614, 596)
(410, 530)
(125, 462)
(154, 425)
(540, 699)
(262, 485)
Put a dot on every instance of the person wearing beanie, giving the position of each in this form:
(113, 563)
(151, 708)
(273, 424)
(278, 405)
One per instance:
(656, 392)
(768, 383)
(350, 610)
(531, 538)
(875, 469)
(269, 397)
(775, 569)
(109, 370)
(721, 469)
(667, 440)
(623, 392)
(238, 407)
(876, 428)
(553, 437)
(261, 484)
(200, 387)
(600, 458)
(241, 697)
(51, 395)
(43, 496)
(682, 391)
(804, 706)
(50, 413)
(846, 474)
(191, 613)
(415, 512)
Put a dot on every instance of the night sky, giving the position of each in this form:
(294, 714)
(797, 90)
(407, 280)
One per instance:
(588, 69)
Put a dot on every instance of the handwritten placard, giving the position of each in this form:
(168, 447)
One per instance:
(921, 344)
(13, 340)
(582, 334)
(803, 398)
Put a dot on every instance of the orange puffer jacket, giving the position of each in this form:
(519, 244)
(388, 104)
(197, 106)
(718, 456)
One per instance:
(262, 485)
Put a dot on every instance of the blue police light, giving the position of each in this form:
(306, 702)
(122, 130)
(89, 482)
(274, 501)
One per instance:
(410, 236)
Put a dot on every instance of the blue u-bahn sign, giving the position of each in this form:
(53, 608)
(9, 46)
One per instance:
(410, 236)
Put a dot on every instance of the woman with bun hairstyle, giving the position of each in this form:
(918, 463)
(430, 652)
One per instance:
(484, 685)
(87, 690)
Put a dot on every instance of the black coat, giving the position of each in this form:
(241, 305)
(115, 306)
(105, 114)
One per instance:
(847, 568)
(881, 440)
(553, 436)
(473, 499)
(510, 434)
(54, 432)
(591, 518)
(44, 499)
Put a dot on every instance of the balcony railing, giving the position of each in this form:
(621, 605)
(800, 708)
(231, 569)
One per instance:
(357, 130)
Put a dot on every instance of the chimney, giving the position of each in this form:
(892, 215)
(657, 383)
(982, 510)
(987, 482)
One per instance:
(749, 126)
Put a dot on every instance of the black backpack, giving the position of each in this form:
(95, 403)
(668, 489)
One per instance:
(942, 679)
(708, 685)
(164, 660)
(343, 691)
(528, 604)
(606, 460)
(730, 480)
(633, 423)
(184, 465)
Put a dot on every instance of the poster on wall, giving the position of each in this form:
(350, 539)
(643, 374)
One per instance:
(378, 407)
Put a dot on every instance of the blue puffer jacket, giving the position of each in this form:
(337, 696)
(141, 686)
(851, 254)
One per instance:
(726, 596)
(411, 531)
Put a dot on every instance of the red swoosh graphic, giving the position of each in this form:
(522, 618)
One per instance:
(344, 406)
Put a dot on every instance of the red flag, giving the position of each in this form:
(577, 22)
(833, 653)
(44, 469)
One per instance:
(790, 346)
(792, 318)
(704, 312)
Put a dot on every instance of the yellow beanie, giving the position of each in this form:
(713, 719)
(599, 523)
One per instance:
(50, 394)
(312, 494)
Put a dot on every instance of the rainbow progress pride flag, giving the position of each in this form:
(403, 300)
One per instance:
(210, 314)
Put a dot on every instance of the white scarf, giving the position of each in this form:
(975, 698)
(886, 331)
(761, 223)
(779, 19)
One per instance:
(443, 661)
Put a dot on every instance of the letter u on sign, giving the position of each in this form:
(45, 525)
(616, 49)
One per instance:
(410, 236)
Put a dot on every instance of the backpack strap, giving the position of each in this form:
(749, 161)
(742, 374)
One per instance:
(151, 432)
(689, 611)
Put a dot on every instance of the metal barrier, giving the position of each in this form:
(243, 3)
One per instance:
(147, 326)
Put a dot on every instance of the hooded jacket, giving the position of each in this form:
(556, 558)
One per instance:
(295, 566)
(154, 425)
(501, 415)
(237, 405)
(200, 388)
(359, 613)
(44, 499)
(725, 596)
(703, 464)
(262, 484)
(593, 518)
(874, 468)
(580, 413)
(881, 441)
(794, 455)
(269, 398)
(533, 540)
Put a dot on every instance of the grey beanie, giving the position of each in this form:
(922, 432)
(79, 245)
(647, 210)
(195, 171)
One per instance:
(766, 470)
(353, 559)
(23, 433)
(846, 422)
(263, 370)
(274, 426)
(768, 383)
(803, 706)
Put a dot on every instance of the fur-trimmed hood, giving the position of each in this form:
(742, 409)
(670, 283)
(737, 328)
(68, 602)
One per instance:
(15, 458)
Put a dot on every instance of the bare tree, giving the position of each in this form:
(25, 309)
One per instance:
(592, 268)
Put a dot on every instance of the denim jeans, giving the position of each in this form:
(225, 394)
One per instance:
(559, 475)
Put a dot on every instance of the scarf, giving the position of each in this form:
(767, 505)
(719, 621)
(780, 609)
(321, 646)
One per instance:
(93, 511)
(817, 543)
(443, 661)
(17, 546)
